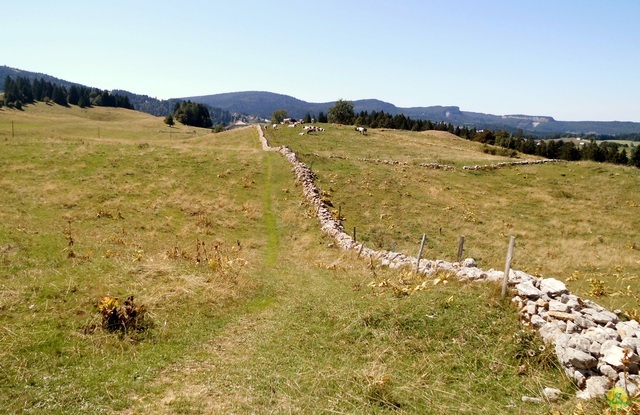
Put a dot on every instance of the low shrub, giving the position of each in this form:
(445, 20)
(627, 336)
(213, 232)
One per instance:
(124, 319)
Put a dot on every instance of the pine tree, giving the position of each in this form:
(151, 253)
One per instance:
(24, 87)
(634, 160)
(570, 152)
(37, 88)
(74, 95)
(11, 93)
(59, 95)
(622, 157)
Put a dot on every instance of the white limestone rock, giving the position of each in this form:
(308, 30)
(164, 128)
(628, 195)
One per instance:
(608, 344)
(583, 321)
(495, 276)
(579, 359)
(632, 343)
(572, 328)
(551, 394)
(469, 263)
(595, 349)
(615, 355)
(581, 343)
(628, 328)
(537, 321)
(551, 333)
(600, 317)
(516, 277)
(555, 305)
(527, 289)
(630, 383)
(553, 287)
(608, 371)
(596, 334)
(596, 387)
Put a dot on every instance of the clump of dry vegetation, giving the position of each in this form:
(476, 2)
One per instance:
(127, 319)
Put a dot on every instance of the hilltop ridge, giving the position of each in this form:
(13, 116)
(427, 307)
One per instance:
(262, 104)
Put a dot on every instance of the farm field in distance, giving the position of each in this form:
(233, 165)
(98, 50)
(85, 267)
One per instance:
(249, 309)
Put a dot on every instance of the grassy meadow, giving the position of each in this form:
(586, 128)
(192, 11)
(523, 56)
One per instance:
(577, 222)
(248, 307)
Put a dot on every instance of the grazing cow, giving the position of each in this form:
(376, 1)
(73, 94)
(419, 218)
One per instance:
(361, 130)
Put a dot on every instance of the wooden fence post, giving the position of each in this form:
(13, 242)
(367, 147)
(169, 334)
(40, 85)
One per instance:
(424, 237)
(460, 248)
(507, 266)
(354, 235)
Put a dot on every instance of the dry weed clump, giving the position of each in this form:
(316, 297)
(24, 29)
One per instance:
(219, 260)
(201, 254)
(126, 319)
(70, 252)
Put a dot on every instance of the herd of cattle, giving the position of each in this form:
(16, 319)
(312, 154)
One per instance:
(309, 129)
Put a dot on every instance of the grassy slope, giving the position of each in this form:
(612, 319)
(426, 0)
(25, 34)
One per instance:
(575, 221)
(279, 323)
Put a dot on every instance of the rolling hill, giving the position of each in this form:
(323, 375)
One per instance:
(248, 104)
(263, 104)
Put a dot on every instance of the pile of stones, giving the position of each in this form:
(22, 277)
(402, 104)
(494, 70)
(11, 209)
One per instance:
(597, 349)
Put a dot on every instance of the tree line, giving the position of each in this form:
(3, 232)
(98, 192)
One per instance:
(190, 113)
(22, 91)
(602, 152)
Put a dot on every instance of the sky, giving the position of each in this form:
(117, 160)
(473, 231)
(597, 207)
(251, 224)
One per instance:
(569, 59)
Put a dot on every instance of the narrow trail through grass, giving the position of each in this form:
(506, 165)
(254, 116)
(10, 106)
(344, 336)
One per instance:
(217, 377)
(273, 238)
(318, 339)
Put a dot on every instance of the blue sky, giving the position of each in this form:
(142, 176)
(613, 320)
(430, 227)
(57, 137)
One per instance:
(573, 60)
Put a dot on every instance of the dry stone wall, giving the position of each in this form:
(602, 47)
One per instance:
(509, 164)
(595, 347)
